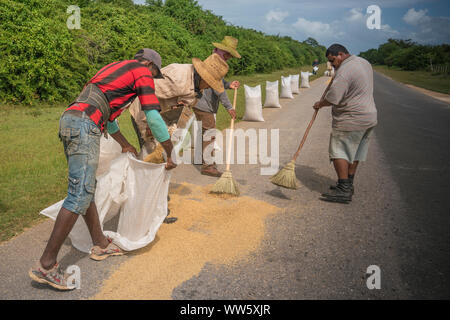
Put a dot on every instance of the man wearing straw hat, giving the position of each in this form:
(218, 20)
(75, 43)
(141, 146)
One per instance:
(208, 105)
(181, 89)
(177, 93)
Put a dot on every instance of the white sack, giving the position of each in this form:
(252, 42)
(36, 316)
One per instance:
(272, 99)
(253, 105)
(134, 189)
(286, 89)
(294, 83)
(305, 80)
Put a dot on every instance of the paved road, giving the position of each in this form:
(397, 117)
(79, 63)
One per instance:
(312, 249)
(399, 219)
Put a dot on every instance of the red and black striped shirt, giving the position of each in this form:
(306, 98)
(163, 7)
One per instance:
(121, 82)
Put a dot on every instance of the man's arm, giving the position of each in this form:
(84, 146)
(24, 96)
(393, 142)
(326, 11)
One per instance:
(321, 104)
(223, 97)
(161, 134)
(113, 130)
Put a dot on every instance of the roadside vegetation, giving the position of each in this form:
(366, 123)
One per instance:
(43, 61)
(424, 66)
(423, 79)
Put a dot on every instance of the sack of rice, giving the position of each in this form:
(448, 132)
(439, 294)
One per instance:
(294, 83)
(286, 89)
(272, 99)
(305, 80)
(253, 105)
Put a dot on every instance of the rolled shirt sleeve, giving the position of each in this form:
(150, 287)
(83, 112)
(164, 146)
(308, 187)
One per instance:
(337, 91)
(112, 127)
(157, 125)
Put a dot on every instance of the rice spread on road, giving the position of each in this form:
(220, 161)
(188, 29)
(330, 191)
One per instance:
(218, 229)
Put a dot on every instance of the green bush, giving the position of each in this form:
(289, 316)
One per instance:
(408, 55)
(42, 60)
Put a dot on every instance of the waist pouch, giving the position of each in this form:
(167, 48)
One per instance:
(93, 96)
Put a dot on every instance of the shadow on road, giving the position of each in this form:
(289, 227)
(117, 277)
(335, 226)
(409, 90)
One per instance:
(312, 180)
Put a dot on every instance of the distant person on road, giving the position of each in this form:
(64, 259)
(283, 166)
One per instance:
(95, 110)
(315, 66)
(208, 104)
(354, 117)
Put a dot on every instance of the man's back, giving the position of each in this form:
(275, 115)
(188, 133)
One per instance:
(352, 96)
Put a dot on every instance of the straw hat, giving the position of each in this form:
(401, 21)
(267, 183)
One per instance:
(228, 44)
(212, 70)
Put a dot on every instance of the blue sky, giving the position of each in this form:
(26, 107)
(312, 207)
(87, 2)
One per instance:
(339, 21)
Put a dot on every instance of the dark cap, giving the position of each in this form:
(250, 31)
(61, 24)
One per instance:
(152, 56)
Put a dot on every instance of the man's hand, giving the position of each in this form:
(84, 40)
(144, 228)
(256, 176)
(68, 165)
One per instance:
(317, 105)
(168, 147)
(180, 104)
(129, 148)
(170, 164)
(232, 113)
(235, 84)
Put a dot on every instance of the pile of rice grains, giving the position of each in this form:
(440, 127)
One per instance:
(218, 229)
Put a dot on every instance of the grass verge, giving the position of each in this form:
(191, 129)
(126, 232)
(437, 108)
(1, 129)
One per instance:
(422, 79)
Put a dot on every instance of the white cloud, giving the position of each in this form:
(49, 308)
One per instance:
(355, 15)
(312, 28)
(388, 29)
(276, 15)
(414, 18)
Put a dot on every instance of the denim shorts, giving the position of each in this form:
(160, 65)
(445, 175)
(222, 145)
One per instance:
(349, 145)
(81, 139)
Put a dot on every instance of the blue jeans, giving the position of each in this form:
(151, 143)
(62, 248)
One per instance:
(81, 139)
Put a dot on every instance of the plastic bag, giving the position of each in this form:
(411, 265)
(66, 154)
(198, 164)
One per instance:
(294, 83)
(286, 89)
(253, 105)
(272, 99)
(134, 190)
(305, 80)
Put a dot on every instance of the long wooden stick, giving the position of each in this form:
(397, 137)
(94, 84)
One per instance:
(231, 133)
(311, 123)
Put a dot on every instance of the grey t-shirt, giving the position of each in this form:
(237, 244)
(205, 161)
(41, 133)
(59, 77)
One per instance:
(209, 102)
(351, 95)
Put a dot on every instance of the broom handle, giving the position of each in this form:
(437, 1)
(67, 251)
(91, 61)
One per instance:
(311, 122)
(231, 133)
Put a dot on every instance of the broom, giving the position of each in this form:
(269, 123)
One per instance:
(226, 183)
(286, 176)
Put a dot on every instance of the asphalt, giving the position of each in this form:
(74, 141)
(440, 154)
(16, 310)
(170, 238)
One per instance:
(398, 219)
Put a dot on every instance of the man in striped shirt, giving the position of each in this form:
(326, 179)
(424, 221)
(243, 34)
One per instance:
(95, 110)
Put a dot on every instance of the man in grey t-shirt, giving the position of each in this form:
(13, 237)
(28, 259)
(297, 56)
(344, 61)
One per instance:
(354, 116)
